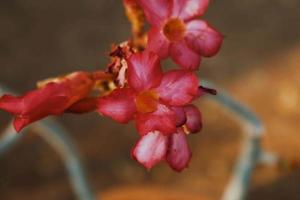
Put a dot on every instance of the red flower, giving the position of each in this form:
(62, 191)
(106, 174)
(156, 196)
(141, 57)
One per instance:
(177, 33)
(53, 98)
(151, 95)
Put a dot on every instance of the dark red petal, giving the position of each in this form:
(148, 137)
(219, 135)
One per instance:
(158, 43)
(144, 71)
(156, 11)
(163, 120)
(189, 9)
(178, 87)
(52, 99)
(180, 116)
(151, 149)
(118, 105)
(179, 153)
(84, 106)
(185, 57)
(194, 119)
(202, 38)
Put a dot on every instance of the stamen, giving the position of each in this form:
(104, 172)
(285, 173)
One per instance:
(147, 101)
(174, 29)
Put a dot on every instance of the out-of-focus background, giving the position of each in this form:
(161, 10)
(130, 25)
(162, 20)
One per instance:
(258, 64)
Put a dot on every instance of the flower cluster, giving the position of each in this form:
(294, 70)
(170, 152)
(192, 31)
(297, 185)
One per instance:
(135, 86)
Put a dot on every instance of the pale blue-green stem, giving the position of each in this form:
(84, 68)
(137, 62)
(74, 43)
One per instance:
(251, 151)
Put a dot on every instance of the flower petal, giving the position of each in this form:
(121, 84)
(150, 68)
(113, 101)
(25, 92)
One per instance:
(189, 9)
(118, 105)
(194, 119)
(158, 43)
(151, 149)
(202, 38)
(156, 11)
(180, 116)
(12, 104)
(84, 106)
(179, 153)
(184, 56)
(163, 120)
(178, 87)
(53, 98)
(144, 71)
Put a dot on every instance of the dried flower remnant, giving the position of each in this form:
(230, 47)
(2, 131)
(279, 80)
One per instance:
(136, 17)
(176, 32)
(118, 65)
(53, 97)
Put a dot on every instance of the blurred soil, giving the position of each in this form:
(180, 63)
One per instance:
(258, 65)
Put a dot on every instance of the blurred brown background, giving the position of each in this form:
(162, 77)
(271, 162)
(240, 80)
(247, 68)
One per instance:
(258, 64)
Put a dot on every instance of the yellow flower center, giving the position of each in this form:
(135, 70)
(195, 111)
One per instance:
(146, 101)
(174, 29)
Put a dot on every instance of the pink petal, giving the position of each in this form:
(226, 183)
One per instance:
(194, 119)
(184, 56)
(163, 120)
(202, 38)
(118, 105)
(144, 71)
(156, 11)
(178, 87)
(189, 9)
(179, 153)
(158, 43)
(180, 116)
(151, 149)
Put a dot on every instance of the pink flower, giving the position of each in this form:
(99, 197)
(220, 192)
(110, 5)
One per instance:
(54, 97)
(150, 95)
(176, 32)
(156, 146)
